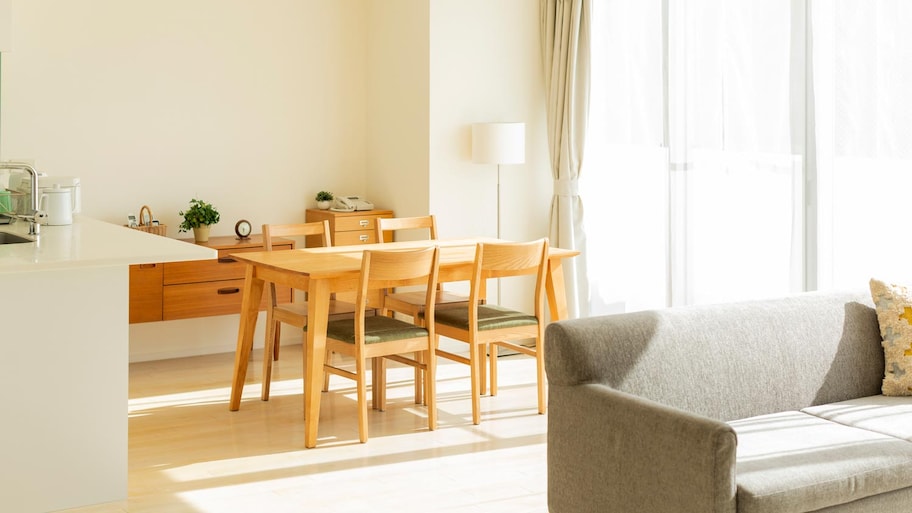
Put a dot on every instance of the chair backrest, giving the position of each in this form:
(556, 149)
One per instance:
(296, 230)
(388, 269)
(508, 259)
(392, 224)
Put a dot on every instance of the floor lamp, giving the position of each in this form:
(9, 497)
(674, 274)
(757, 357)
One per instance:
(499, 143)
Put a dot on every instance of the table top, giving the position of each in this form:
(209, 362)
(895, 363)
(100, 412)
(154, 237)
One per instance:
(339, 260)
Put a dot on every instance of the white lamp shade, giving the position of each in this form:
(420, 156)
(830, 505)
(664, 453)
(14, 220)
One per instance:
(499, 143)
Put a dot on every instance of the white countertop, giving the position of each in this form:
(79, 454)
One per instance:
(91, 243)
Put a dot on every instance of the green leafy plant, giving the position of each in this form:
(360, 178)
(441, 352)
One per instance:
(324, 196)
(198, 214)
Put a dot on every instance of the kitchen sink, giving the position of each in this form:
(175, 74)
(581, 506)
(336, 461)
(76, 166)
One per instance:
(11, 238)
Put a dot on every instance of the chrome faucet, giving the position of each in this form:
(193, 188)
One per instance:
(32, 215)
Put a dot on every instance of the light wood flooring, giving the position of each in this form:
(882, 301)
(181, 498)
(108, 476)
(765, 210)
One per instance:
(189, 454)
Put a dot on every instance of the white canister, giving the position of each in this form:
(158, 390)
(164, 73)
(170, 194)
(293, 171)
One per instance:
(57, 204)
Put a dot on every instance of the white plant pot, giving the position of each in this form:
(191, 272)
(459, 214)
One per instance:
(201, 233)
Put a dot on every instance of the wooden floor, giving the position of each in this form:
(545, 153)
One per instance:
(188, 453)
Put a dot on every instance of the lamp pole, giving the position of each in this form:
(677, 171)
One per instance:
(498, 143)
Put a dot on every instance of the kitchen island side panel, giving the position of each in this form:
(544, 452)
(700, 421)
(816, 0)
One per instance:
(64, 389)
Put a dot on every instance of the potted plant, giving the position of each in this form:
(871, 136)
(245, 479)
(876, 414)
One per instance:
(323, 199)
(199, 217)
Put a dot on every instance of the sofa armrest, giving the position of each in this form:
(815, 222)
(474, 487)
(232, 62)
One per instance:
(609, 451)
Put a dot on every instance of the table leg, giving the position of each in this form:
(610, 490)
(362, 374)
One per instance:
(250, 306)
(317, 317)
(555, 289)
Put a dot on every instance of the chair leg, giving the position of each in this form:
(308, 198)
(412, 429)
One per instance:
(419, 374)
(540, 371)
(482, 351)
(277, 337)
(378, 383)
(362, 399)
(267, 358)
(430, 385)
(328, 358)
(493, 357)
(419, 378)
(476, 368)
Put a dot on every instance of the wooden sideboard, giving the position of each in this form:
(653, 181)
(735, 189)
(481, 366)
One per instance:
(183, 290)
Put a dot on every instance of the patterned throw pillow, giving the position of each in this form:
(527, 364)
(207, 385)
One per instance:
(894, 314)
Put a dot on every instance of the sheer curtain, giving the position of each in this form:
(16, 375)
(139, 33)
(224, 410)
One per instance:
(565, 39)
(693, 152)
(863, 114)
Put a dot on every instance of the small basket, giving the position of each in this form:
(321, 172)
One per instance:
(159, 229)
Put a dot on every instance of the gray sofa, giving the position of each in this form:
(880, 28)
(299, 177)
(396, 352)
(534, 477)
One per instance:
(764, 406)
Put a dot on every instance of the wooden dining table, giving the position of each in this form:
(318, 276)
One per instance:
(323, 271)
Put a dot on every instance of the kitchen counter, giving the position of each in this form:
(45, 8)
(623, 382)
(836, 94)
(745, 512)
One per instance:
(91, 243)
(64, 332)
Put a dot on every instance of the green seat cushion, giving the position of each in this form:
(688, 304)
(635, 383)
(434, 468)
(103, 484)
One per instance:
(376, 329)
(490, 317)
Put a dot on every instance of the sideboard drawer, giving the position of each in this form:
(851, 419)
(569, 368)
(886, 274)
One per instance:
(209, 298)
(353, 223)
(222, 268)
(201, 299)
(354, 238)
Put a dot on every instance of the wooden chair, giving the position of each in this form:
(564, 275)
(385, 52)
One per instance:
(383, 336)
(484, 327)
(413, 303)
(292, 313)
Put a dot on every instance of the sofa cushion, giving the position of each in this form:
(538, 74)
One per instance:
(887, 415)
(893, 304)
(794, 461)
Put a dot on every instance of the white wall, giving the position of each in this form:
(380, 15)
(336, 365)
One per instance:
(398, 105)
(253, 106)
(486, 67)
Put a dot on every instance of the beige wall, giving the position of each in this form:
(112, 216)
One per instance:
(486, 67)
(398, 105)
(255, 106)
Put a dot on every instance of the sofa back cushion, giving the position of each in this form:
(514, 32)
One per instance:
(728, 361)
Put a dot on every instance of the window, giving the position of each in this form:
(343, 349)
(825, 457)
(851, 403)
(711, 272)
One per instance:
(862, 69)
(693, 173)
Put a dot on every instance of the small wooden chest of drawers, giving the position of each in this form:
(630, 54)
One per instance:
(348, 228)
(183, 290)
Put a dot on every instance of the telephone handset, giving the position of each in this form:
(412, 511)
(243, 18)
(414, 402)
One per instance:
(351, 204)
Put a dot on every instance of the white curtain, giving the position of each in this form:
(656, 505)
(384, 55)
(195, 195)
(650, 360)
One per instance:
(863, 114)
(693, 152)
(565, 53)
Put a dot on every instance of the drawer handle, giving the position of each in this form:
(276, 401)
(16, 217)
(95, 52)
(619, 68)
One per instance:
(364, 223)
(363, 238)
(148, 266)
(228, 290)
(226, 260)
